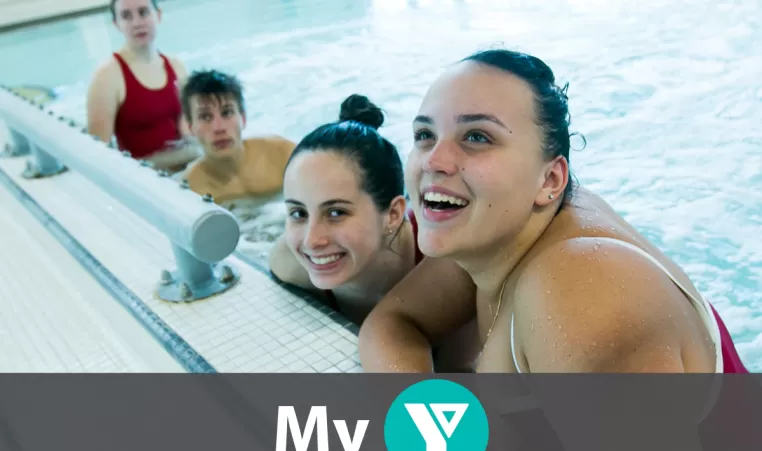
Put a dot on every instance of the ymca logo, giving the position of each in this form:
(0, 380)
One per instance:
(418, 420)
(433, 415)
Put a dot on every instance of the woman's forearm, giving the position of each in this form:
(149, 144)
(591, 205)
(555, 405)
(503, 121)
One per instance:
(389, 344)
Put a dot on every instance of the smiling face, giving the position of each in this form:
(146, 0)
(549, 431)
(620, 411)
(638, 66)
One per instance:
(333, 228)
(477, 171)
(216, 122)
(137, 20)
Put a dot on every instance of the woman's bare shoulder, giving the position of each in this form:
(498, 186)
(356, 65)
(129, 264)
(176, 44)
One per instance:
(601, 304)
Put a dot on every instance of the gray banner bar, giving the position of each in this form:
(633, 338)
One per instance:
(243, 412)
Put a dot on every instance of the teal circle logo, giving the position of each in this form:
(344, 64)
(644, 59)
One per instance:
(436, 415)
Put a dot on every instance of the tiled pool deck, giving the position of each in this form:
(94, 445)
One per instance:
(257, 326)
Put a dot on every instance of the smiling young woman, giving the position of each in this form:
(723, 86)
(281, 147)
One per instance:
(559, 281)
(349, 237)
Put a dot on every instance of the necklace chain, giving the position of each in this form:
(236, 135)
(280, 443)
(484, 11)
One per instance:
(497, 311)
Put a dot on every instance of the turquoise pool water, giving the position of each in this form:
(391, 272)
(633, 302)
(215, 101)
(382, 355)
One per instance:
(666, 95)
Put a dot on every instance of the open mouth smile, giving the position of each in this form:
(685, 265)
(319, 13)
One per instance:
(440, 207)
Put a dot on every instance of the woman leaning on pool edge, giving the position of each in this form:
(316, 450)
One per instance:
(554, 286)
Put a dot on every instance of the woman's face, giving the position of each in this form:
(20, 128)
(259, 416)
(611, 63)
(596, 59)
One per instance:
(333, 227)
(476, 172)
(137, 20)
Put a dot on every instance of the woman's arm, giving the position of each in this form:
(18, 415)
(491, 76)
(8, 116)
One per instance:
(592, 305)
(176, 158)
(595, 306)
(434, 300)
(103, 102)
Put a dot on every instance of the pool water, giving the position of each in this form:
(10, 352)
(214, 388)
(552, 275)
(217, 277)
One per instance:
(667, 96)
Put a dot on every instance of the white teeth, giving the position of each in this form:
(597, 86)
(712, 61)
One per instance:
(325, 260)
(437, 197)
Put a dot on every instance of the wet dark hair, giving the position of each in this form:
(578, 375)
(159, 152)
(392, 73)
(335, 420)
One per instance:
(112, 7)
(551, 101)
(356, 137)
(211, 83)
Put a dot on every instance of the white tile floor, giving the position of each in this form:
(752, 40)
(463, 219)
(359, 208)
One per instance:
(257, 326)
(54, 317)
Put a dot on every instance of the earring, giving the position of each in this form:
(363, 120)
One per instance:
(388, 231)
(550, 196)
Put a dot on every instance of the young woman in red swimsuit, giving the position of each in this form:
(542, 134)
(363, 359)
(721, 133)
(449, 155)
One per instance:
(349, 237)
(134, 96)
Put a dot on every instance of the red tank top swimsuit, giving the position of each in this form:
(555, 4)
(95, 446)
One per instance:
(731, 360)
(418, 257)
(148, 118)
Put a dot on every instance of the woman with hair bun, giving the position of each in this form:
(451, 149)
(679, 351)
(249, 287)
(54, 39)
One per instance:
(349, 237)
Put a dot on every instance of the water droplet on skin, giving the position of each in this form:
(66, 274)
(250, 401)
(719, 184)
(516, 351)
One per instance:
(547, 291)
(559, 327)
(550, 317)
(554, 344)
(595, 343)
(565, 335)
(590, 280)
(611, 345)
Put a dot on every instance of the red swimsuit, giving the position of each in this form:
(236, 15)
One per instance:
(730, 359)
(148, 118)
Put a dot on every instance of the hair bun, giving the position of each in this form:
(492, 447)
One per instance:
(358, 108)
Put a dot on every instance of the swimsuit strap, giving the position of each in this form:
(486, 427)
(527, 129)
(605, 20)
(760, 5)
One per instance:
(700, 304)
